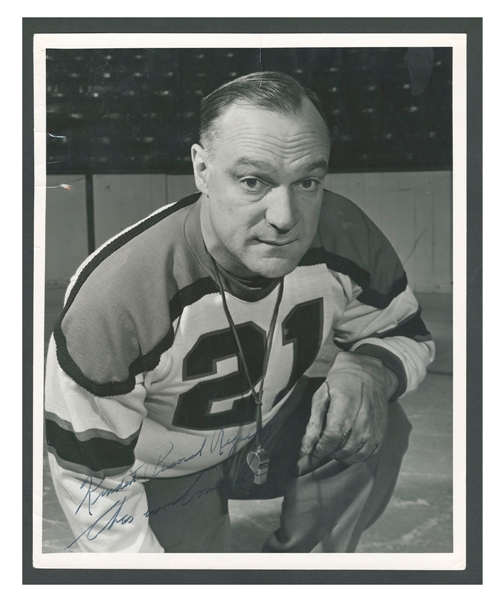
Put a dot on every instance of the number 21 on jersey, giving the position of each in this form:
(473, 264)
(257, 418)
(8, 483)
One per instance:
(200, 408)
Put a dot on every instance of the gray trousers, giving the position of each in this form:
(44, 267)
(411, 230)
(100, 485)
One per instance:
(326, 510)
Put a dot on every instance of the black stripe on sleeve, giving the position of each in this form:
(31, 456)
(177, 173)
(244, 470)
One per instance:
(391, 362)
(412, 327)
(98, 455)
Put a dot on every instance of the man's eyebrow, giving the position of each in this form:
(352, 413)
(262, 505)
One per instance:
(318, 164)
(252, 162)
(266, 167)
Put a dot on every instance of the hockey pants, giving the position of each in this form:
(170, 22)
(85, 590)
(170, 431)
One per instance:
(325, 510)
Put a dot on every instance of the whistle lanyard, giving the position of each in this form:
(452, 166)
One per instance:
(257, 397)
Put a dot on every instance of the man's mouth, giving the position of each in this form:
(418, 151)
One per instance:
(278, 243)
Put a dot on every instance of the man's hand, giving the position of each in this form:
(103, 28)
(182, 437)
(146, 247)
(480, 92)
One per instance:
(349, 412)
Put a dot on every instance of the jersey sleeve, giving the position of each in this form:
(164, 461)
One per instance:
(104, 342)
(91, 441)
(395, 334)
(382, 317)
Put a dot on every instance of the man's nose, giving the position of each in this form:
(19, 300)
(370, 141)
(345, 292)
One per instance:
(281, 213)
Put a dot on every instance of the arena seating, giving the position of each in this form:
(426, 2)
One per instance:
(136, 110)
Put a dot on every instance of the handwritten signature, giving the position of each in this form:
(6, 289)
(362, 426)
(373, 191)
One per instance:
(94, 489)
(160, 467)
(113, 519)
(194, 494)
(219, 443)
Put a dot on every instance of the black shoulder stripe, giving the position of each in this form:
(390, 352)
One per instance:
(145, 362)
(184, 297)
(369, 296)
(379, 300)
(95, 454)
(317, 256)
(191, 294)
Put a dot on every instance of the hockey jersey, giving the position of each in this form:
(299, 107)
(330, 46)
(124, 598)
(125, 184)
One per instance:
(144, 379)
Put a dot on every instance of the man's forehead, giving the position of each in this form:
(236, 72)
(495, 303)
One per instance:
(247, 121)
(245, 112)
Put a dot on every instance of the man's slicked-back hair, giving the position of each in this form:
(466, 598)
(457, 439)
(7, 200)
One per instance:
(266, 89)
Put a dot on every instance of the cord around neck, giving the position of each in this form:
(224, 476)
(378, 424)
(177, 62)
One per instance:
(257, 397)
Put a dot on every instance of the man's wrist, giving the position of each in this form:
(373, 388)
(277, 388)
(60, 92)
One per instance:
(392, 382)
(392, 365)
(362, 366)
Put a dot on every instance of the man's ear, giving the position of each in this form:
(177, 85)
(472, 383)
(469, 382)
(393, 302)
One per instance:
(200, 168)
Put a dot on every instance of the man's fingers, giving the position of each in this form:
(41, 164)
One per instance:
(354, 427)
(368, 451)
(320, 404)
(340, 418)
(368, 432)
(361, 437)
(328, 445)
(340, 422)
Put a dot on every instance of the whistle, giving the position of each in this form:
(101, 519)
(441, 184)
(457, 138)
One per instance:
(258, 461)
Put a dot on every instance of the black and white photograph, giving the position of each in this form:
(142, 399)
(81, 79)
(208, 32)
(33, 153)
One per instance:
(246, 340)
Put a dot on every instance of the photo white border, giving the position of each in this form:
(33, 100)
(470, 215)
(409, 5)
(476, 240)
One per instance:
(361, 561)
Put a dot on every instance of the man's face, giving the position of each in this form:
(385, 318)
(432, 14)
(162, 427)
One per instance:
(264, 185)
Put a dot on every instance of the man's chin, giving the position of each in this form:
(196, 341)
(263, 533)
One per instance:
(273, 268)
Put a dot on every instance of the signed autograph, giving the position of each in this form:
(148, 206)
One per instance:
(94, 530)
(191, 494)
(95, 488)
(160, 467)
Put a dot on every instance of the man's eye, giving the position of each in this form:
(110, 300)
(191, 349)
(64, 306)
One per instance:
(309, 184)
(252, 184)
